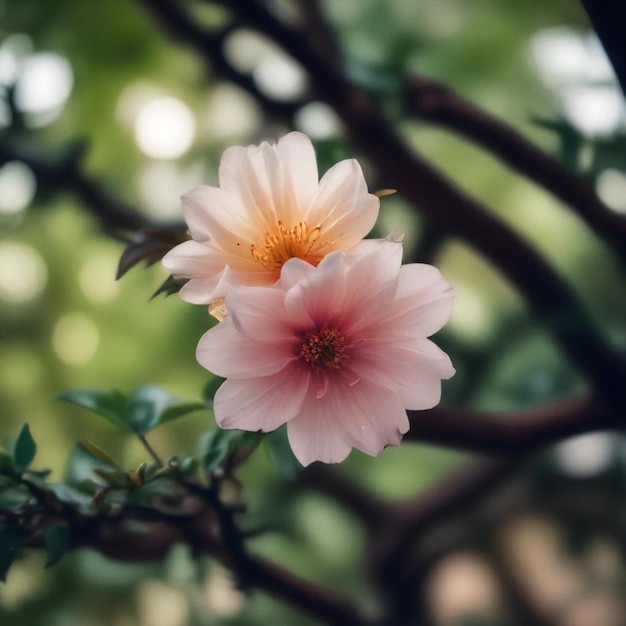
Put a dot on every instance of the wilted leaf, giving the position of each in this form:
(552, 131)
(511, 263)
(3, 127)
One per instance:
(57, 540)
(25, 450)
(109, 404)
(97, 452)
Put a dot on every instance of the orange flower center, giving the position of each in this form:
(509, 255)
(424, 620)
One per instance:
(283, 244)
(324, 349)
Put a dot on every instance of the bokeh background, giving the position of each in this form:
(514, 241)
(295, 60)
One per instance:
(100, 83)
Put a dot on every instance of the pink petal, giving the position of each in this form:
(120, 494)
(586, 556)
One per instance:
(293, 271)
(413, 369)
(263, 403)
(423, 303)
(371, 416)
(318, 300)
(204, 290)
(259, 313)
(225, 352)
(315, 433)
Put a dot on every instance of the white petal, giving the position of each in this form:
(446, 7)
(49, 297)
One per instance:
(219, 214)
(343, 208)
(299, 165)
(293, 271)
(224, 351)
(263, 403)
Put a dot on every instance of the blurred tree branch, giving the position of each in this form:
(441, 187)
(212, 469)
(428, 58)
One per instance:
(439, 104)
(65, 175)
(513, 433)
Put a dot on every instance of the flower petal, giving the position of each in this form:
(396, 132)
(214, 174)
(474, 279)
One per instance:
(224, 351)
(297, 159)
(343, 208)
(413, 369)
(259, 313)
(263, 403)
(315, 433)
(371, 416)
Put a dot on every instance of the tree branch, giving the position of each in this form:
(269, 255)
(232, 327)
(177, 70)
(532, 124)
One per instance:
(512, 433)
(65, 176)
(439, 104)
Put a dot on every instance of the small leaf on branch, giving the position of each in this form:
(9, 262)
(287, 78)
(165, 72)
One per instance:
(279, 451)
(57, 541)
(149, 405)
(25, 450)
(109, 404)
(218, 444)
(150, 245)
(210, 389)
(169, 286)
(112, 477)
(10, 541)
(7, 468)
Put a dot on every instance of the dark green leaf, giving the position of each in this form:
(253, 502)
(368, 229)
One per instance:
(6, 465)
(14, 498)
(280, 452)
(10, 540)
(81, 464)
(208, 393)
(218, 444)
(71, 495)
(57, 542)
(109, 404)
(147, 493)
(146, 406)
(170, 286)
(25, 449)
(180, 410)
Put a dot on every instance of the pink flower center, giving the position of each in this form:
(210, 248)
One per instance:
(282, 244)
(324, 349)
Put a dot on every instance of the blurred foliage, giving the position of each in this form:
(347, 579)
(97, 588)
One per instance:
(74, 327)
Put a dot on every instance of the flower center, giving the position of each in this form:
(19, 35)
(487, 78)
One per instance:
(324, 349)
(283, 244)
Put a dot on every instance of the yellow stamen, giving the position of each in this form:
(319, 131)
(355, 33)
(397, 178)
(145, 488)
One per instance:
(324, 349)
(284, 243)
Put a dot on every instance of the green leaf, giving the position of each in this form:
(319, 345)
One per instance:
(280, 453)
(218, 444)
(109, 404)
(112, 477)
(6, 465)
(208, 393)
(71, 495)
(25, 450)
(14, 498)
(180, 410)
(10, 541)
(57, 542)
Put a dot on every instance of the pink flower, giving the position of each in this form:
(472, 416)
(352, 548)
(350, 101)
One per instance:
(270, 207)
(337, 351)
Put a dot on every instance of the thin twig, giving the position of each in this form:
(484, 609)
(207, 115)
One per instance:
(151, 451)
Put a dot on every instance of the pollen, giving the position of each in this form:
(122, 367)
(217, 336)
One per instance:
(284, 243)
(325, 348)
